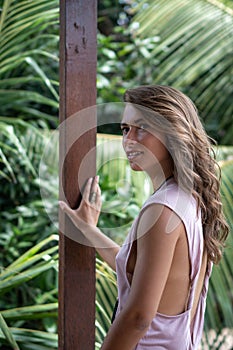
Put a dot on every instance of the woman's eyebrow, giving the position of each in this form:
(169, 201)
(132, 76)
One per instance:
(135, 122)
(124, 124)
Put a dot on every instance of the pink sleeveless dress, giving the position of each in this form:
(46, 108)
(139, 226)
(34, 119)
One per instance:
(171, 332)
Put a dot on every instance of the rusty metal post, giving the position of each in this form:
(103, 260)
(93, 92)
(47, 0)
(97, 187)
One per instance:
(78, 23)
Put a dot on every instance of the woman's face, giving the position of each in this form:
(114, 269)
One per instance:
(143, 146)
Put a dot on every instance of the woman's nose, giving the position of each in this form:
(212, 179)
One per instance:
(132, 135)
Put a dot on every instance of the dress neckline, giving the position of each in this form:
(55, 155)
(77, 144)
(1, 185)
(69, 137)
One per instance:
(163, 183)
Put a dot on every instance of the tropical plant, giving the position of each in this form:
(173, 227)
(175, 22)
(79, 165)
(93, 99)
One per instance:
(40, 315)
(106, 295)
(29, 60)
(23, 220)
(28, 278)
(193, 53)
(220, 295)
(175, 43)
(184, 44)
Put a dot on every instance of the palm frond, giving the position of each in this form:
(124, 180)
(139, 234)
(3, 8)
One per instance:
(29, 339)
(7, 333)
(194, 54)
(33, 263)
(220, 297)
(29, 58)
(32, 312)
(106, 294)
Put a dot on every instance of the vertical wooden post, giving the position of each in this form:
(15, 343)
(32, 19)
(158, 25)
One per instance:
(78, 23)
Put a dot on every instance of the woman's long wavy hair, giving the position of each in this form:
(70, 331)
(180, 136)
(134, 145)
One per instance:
(171, 112)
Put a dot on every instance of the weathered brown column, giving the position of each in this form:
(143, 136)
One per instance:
(78, 22)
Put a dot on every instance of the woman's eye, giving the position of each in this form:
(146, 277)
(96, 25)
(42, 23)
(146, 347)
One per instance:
(143, 126)
(124, 130)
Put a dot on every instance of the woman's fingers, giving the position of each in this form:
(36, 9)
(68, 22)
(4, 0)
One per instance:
(87, 190)
(90, 207)
(64, 207)
(91, 192)
(99, 201)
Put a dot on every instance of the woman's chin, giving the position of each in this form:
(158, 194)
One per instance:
(135, 166)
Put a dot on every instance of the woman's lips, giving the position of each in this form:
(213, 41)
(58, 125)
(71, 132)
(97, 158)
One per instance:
(133, 154)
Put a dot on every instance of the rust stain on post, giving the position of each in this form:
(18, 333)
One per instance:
(78, 23)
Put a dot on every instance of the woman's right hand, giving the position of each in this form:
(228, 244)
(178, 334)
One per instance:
(86, 218)
(88, 212)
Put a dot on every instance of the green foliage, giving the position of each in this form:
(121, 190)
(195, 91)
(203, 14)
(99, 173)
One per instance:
(23, 220)
(122, 64)
(29, 60)
(106, 295)
(194, 54)
(220, 297)
(187, 45)
(184, 44)
(28, 270)
(7, 333)
(39, 262)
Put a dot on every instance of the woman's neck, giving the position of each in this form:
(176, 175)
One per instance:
(161, 174)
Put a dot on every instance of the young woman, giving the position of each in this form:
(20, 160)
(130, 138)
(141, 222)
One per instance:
(164, 266)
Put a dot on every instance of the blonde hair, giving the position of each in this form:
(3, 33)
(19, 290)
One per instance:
(195, 166)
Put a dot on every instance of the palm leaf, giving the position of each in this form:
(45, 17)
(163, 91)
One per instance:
(31, 312)
(29, 339)
(194, 54)
(28, 56)
(21, 147)
(29, 265)
(106, 294)
(7, 333)
(220, 296)
(9, 133)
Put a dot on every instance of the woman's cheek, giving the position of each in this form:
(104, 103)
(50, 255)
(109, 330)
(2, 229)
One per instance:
(142, 135)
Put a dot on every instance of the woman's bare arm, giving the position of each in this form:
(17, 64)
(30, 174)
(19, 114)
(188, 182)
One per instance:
(85, 218)
(105, 246)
